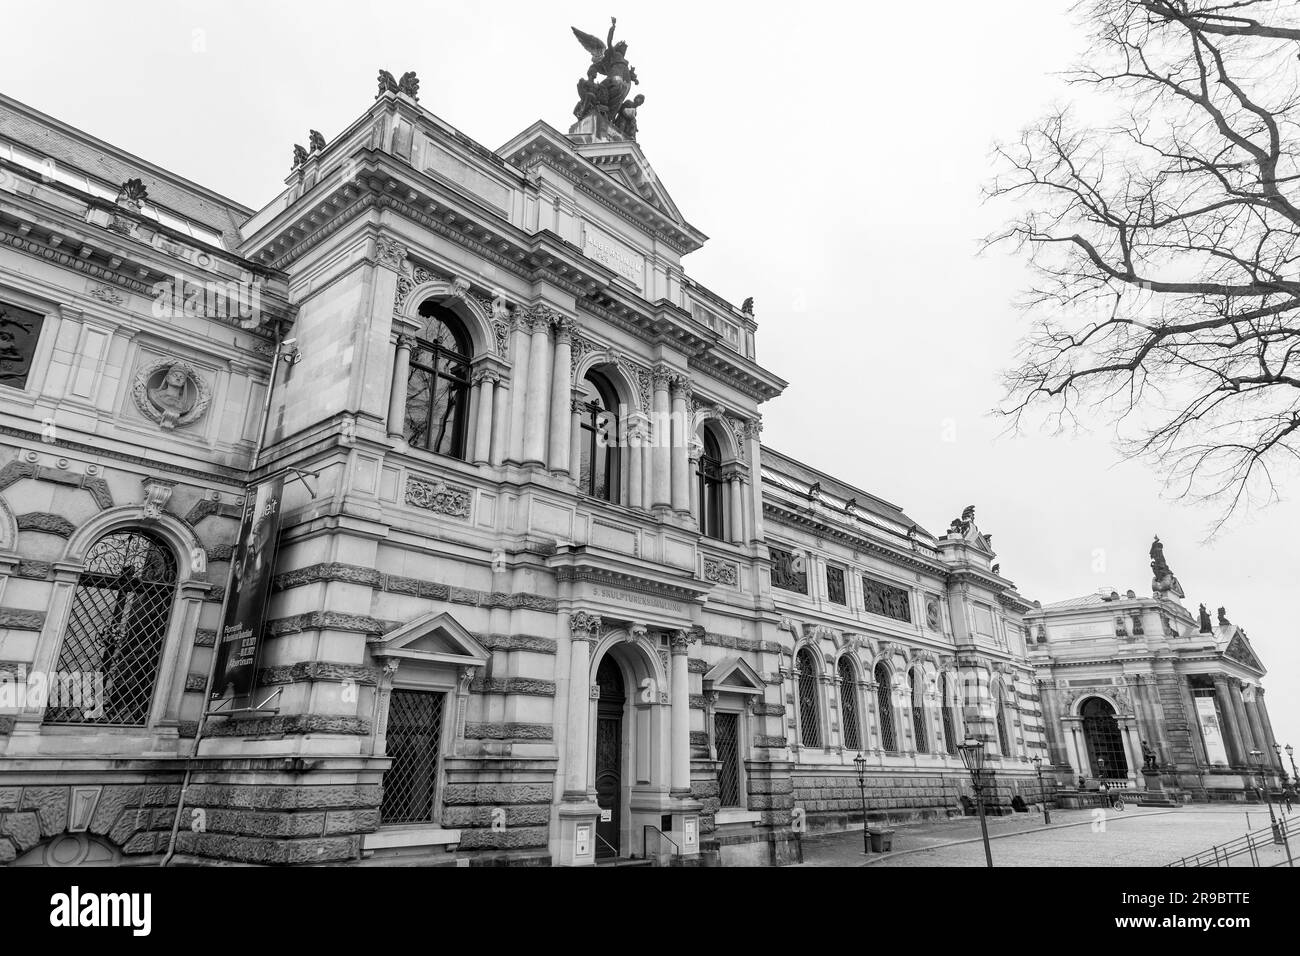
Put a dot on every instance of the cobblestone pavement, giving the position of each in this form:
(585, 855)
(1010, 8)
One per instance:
(1135, 837)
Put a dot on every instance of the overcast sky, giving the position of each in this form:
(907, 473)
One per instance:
(835, 158)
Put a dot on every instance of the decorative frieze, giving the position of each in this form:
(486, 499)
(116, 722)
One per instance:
(45, 522)
(291, 725)
(509, 730)
(522, 686)
(438, 496)
(721, 572)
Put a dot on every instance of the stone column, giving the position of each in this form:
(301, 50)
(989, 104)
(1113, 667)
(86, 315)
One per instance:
(1075, 747)
(754, 505)
(736, 501)
(693, 480)
(584, 629)
(1268, 724)
(486, 387)
(1132, 750)
(561, 400)
(680, 436)
(538, 401)
(500, 421)
(397, 395)
(1232, 736)
(1243, 723)
(575, 434)
(661, 491)
(680, 732)
(1193, 722)
(1257, 731)
(635, 433)
(520, 359)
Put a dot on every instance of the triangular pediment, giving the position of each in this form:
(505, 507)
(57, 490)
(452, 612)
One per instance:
(437, 638)
(1239, 650)
(734, 676)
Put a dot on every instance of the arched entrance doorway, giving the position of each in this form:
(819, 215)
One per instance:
(609, 756)
(1105, 743)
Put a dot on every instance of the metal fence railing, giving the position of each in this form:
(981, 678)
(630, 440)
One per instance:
(1280, 833)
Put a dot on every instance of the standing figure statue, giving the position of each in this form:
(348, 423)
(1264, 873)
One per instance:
(607, 98)
(1163, 582)
(1148, 757)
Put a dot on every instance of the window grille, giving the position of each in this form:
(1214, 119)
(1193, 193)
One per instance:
(110, 652)
(849, 707)
(949, 723)
(809, 719)
(918, 715)
(726, 737)
(1004, 745)
(414, 735)
(885, 705)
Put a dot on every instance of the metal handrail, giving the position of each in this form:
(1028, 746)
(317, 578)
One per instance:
(1221, 853)
(607, 843)
(677, 851)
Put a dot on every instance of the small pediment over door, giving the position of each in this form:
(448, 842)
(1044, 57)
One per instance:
(733, 676)
(435, 638)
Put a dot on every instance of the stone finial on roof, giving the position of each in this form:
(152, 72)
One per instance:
(132, 194)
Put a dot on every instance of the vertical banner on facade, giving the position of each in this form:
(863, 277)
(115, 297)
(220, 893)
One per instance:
(250, 589)
(1208, 717)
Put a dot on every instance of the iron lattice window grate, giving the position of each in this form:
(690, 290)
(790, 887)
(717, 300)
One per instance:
(810, 730)
(949, 729)
(414, 735)
(849, 707)
(108, 662)
(727, 738)
(886, 707)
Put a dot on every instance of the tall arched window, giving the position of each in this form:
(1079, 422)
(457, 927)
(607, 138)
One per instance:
(849, 726)
(916, 691)
(949, 710)
(437, 390)
(107, 668)
(710, 481)
(885, 705)
(810, 724)
(598, 474)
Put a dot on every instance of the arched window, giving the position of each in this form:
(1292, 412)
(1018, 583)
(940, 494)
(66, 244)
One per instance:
(849, 727)
(1102, 734)
(917, 694)
(437, 390)
(810, 725)
(885, 705)
(107, 668)
(1004, 746)
(599, 459)
(710, 480)
(949, 710)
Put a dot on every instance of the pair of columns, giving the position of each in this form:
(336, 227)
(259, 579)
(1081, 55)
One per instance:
(584, 631)
(540, 432)
(1247, 723)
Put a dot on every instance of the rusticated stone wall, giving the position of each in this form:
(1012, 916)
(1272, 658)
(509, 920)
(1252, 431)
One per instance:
(136, 818)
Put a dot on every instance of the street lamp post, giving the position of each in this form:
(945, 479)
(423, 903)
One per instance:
(1277, 749)
(1279, 834)
(972, 755)
(1038, 766)
(860, 762)
(1295, 774)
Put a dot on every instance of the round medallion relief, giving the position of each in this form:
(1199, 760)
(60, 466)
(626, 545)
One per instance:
(171, 393)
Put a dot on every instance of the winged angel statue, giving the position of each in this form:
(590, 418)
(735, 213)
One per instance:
(607, 99)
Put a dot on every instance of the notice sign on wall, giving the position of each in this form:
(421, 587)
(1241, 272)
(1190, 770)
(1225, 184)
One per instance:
(582, 840)
(1211, 733)
(250, 588)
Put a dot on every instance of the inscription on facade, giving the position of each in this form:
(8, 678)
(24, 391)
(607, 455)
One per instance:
(612, 254)
(633, 597)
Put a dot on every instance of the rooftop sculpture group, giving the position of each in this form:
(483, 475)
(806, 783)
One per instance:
(607, 99)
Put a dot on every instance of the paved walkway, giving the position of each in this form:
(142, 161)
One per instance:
(1138, 836)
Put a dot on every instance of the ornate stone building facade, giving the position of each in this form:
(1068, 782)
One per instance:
(540, 595)
(1130, 682)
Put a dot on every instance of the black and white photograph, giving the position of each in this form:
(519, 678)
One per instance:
(502, 451)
